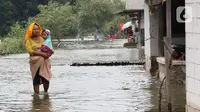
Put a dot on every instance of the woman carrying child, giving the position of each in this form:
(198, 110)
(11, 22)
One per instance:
(39, 60)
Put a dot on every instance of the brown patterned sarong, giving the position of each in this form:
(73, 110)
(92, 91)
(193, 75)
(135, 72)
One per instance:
(41, 64)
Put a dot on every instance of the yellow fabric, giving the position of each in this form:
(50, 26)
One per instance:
(31, 45)
(30, 30)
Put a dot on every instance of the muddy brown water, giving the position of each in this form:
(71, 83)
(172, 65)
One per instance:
(84, 89)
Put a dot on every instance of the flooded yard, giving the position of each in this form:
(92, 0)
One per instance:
(81, 89)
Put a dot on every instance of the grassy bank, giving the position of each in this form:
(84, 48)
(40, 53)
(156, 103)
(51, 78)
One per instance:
(11, 46)
(13, 42)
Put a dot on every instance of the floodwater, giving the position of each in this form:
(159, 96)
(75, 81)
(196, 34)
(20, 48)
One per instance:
(83, 89)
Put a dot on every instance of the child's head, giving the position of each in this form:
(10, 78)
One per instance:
(45, 33)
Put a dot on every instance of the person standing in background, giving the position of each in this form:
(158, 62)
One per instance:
(112, 34)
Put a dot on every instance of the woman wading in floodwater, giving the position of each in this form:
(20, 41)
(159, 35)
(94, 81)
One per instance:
(39, 61)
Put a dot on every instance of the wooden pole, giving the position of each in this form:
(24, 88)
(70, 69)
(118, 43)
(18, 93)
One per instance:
(160, 31)
(167, 54)
(139, 37)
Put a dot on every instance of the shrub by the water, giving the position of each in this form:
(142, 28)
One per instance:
(13, 42)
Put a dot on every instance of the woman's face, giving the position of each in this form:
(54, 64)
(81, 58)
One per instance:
(36, 30)
(44, 35)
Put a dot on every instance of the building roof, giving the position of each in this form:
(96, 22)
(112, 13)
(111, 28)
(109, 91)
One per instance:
(134, 4)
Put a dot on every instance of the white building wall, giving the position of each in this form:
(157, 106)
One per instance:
(154, 51)
(193, 58)
(142, 21)
(147, 30)
(151, 45)
(147, 39)
(134, 4)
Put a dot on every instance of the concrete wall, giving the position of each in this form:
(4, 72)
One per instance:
(134, 4)
(142, 20)
(193, 58)
(151, 31)
(147, 30)
(151, 45)
(147, 38)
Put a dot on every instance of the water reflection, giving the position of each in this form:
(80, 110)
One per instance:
(41, 104)
(178, 97)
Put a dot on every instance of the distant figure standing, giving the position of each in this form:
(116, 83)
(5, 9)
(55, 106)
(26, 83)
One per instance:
(112, 33)
(130, 33)
(97, 38)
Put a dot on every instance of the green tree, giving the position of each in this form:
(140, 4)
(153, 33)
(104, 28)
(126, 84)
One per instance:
(71, 2)
(6, 16)
(13, 42)
(24, 9)
(59, 18)
(93, 14)
(12, 11)
(63, 19)
(43, 2)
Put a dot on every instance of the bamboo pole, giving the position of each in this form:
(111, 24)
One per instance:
(167, 54)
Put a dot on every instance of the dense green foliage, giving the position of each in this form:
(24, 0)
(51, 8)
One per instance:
(13, 43)
(12, 11)
(63, 17)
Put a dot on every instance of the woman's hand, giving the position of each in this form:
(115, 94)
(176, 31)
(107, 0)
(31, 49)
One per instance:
(38, 53)
(39, 47)
(45, 55)
(49, 54)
